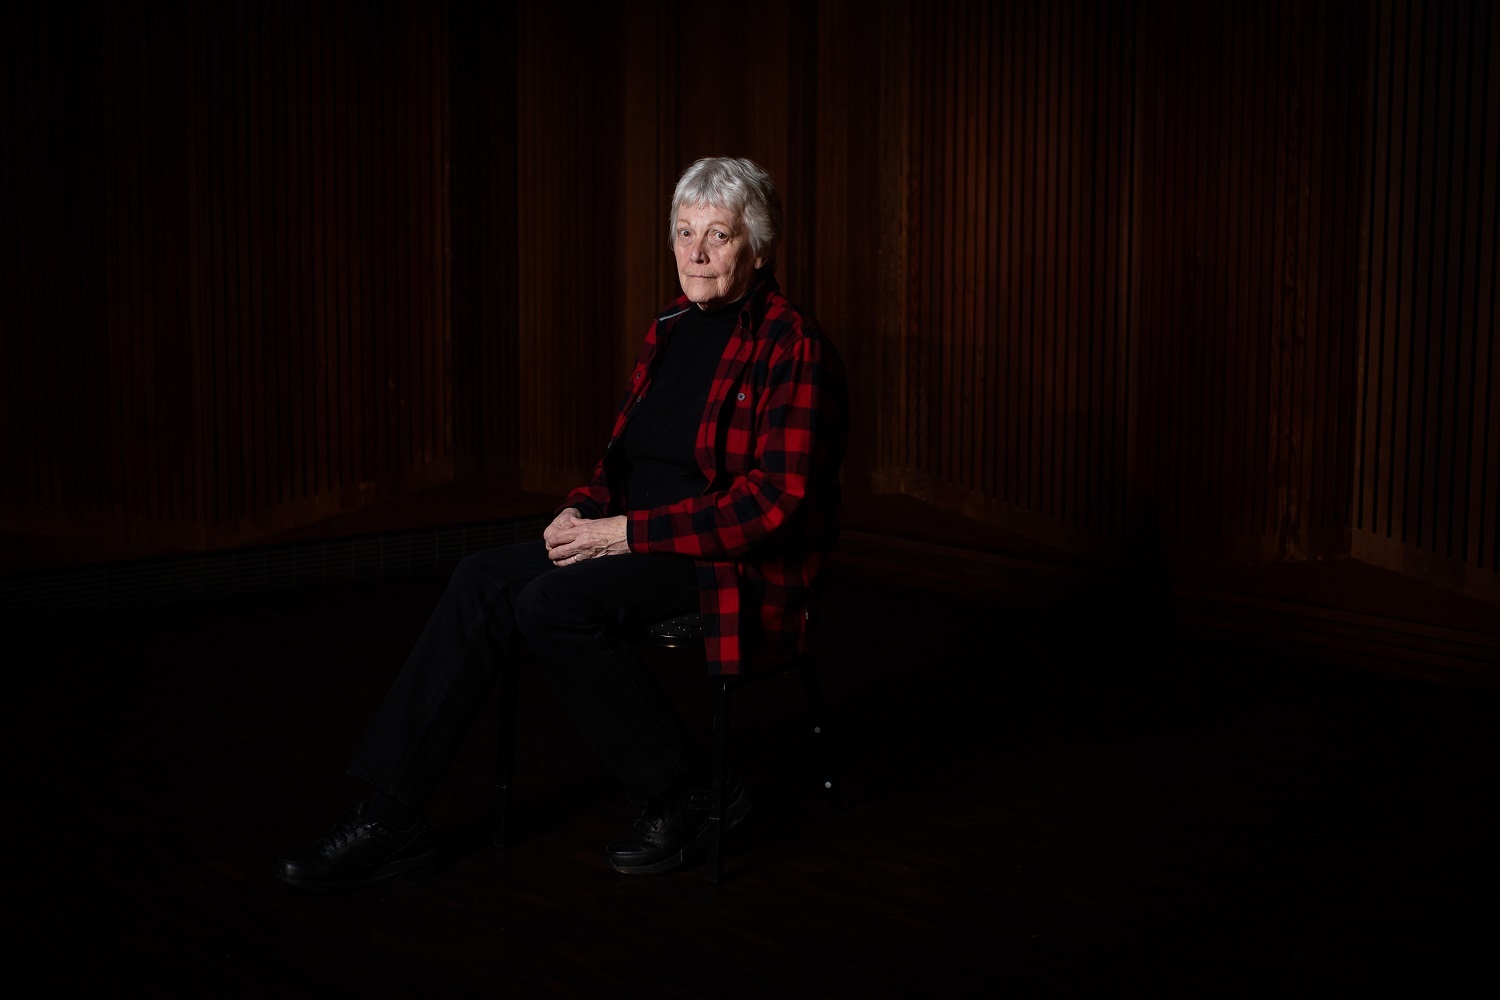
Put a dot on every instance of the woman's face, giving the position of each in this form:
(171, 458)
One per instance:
(714, 261)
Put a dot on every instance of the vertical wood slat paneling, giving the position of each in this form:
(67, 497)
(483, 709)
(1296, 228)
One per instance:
(1240, 327)
(151, 464)
(1428, 430)
(864, 279)
(1015, 236)
(270, 220)
(485, 371)
(1115, 331)
(1482, 468)
(558, 195)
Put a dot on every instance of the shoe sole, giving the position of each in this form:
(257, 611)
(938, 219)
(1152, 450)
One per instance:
(734, 814)
(405, 870)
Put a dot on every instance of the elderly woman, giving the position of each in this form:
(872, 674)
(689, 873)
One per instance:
(718, 492)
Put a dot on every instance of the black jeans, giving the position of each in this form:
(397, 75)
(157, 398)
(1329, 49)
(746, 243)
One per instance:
(508, 606)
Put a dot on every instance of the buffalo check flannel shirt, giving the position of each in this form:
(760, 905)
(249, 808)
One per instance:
(770, 443)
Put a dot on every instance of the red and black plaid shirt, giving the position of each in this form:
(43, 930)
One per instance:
(771, 441)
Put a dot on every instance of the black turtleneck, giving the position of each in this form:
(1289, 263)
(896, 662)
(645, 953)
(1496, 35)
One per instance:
(660, 437)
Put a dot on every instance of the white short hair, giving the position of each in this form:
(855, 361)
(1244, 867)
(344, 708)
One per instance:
(741, 186)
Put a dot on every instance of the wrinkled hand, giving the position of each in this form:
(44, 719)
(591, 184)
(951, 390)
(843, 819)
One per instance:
(571, 538)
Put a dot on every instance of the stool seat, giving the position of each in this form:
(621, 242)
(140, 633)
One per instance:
(673, 633)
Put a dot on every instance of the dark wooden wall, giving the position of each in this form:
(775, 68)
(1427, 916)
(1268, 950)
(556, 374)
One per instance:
(1213, 281)
(1427, 428)
(226, 239)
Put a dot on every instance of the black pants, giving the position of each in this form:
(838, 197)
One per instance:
(509, 606)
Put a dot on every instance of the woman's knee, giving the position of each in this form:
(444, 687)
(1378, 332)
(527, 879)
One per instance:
(473, 575)
(539, 608)
(480, 577)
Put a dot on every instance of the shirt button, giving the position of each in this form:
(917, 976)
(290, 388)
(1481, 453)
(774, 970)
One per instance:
(740, 397)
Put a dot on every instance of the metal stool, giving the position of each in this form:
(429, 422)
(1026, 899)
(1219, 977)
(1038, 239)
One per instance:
(684, 633)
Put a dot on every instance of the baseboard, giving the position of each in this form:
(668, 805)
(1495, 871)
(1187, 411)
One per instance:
(54, 594)
(1342, 612)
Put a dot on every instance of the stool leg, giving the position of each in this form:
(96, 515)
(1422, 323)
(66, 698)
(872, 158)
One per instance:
(506, 762)
(821, 736)
(722, 691)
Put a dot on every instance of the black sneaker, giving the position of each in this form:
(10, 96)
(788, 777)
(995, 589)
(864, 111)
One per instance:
(361, 851)
(672, 833)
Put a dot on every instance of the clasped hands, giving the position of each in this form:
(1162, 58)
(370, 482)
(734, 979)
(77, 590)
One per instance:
(572, 538)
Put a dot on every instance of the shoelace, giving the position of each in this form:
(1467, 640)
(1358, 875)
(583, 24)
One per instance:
(344, 831)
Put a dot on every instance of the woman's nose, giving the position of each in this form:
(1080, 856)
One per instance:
(700, 253)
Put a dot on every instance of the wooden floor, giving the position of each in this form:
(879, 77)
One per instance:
(1034, 805)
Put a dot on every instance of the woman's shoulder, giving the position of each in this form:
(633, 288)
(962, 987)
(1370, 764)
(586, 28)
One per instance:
(775, 314)
(787, 330)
